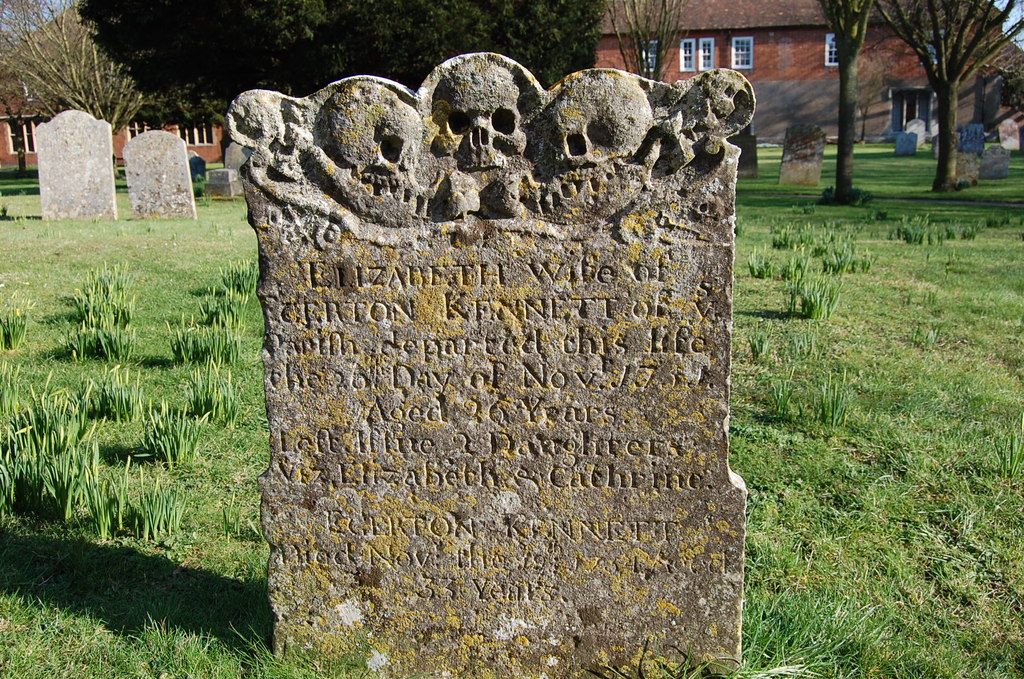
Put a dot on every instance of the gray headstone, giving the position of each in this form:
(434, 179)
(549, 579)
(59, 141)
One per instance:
(995, 163)
(906, 144)
(918, 127)
(196, 166)
(159, 182)
(235, 156)
(967, 167)
(76, 167)
(747, 144)
(802, 156)
(497, 368)
(223, 182)
(971, 138)
(1009, 135)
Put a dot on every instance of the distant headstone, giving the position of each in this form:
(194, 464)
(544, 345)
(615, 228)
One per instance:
(223, 182)
(497, 369)
(159, 183)
(235, 156)
(918, 127)
(802, 156)
(995, 163)
(76, 167)
(967, 167)
(1009, 135)
(747, 144)
(906, 144)
(196, 166)
(971, 138)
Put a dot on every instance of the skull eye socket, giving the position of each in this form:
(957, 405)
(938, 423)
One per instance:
(391, 148)
(600, 135)
(458, 122)
(504, 121)
(577, 144)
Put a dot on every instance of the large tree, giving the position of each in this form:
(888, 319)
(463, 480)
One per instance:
(645, 29)
(206, 51)
(849, 21)
(52, 58)
(953, 39)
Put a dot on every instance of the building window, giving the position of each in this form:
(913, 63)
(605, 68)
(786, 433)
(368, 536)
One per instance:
(743, 53)
(707, 54)
(650, 57)
(135, 129)
(831, 51)
(26, 132)
(687, 52)
(196, 136)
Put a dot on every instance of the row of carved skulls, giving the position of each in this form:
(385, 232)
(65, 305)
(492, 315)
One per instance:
(481, 137)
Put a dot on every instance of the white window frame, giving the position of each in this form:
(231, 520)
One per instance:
(650, 55)
(688, 55)
(28, 132)
(201, 135)
(708, 65)
(831, 50)
(738, 61)
(136, 128)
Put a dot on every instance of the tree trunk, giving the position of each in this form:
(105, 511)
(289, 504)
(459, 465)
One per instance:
(947, 95)
(847, 126)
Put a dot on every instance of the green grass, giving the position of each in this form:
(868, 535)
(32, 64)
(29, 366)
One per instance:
(886, 543)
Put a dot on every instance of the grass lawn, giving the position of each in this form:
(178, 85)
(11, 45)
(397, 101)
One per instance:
(886, 542)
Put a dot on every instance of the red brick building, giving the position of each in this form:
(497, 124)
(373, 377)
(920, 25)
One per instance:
(786, 51)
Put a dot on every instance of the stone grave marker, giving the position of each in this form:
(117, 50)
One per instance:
(747, 144)
(995, 163)
(1009, 135)
(498, 323)
(235, 156)
(196, 166)
(802, 155)
(918, 127)
(76, 167)
(967, 167)
(159, 181)
(971, 138)
(906, 144)
(223, 182)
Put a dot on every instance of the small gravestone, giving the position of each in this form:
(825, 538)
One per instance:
(223, 182)
(971, 138)
(235, 156)
(918, 127)
(196, 166)
(747, 144)
(159, 182)
(967, 167)
(802, 156)
(496, 358)
(76, 167)
(995, 163)
(1009, 135)
(906, 144)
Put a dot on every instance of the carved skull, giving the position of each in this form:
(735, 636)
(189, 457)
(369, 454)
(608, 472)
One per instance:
(719, 104)
(596, 125)
(371, 137)
(476, 109)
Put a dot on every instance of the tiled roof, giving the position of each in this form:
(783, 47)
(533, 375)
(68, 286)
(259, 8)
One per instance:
(729, 14)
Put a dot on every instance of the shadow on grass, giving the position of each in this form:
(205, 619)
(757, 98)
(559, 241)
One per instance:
(128, 590)
(768, 314)
(156, 362)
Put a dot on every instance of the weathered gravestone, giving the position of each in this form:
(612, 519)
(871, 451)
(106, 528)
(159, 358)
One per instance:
(967, 167)
(802, 155)
(223, 182)
(159, 181)
(497, 368)
(995, 163)
(196, 166)
(76, 167)
(918, 127)
(1009, 135)
(747, 144)
(235, 156)
(971, 138)
(906, 144)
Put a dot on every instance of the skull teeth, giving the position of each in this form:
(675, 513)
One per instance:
(378, 183)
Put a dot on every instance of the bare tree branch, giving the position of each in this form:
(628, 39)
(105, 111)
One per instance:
(645, 30)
